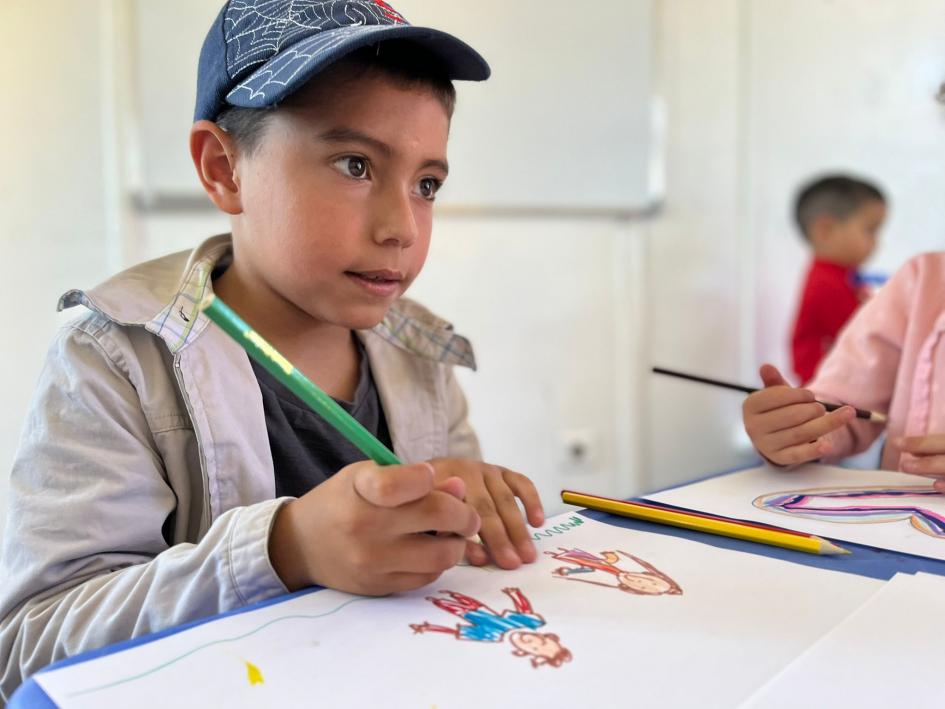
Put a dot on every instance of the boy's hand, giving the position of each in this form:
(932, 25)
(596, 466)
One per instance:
(366, 530)
(492, 491)
(786, 424)
(924, 455)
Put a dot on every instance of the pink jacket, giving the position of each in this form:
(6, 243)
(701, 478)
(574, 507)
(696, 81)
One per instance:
(891, 358)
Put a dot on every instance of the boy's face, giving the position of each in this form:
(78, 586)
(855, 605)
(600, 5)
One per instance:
(853, 240)
(337, 198)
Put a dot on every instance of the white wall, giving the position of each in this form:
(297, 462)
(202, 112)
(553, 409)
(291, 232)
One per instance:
(52, 218)
(696, 249)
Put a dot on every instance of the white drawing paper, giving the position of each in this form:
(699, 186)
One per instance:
(886, 654)
(606, 617)
(878, 508)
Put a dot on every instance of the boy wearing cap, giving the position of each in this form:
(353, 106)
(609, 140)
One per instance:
(163, 477)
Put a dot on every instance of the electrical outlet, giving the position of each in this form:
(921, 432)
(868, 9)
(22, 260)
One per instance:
(578, 450)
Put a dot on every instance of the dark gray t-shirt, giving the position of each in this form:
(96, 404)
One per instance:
(306, 450)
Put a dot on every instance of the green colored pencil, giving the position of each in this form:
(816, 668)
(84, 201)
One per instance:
(303, 387)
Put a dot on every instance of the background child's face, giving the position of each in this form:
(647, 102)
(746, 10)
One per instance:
(851, 241)
(337, 197)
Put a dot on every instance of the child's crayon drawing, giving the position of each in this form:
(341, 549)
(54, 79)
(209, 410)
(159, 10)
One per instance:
(483, 624)
(253, 675)
(560, 528)
(860, 505)
(646, 581)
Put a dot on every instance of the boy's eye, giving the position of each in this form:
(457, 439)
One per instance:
(352, 166)
(428, 187)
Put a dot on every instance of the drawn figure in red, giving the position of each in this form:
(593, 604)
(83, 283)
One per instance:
(483, 624)
(649, 581)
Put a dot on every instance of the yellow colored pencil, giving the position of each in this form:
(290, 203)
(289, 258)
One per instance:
(748, 531)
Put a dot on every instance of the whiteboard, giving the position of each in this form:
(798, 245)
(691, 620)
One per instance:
(564, 121)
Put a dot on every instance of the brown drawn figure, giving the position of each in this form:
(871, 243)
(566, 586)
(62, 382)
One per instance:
(649, 581)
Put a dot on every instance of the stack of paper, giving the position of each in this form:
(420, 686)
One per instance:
(888, 653)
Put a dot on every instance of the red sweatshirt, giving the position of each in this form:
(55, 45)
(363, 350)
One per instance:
(831, 296)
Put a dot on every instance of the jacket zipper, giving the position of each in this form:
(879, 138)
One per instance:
(200, 446)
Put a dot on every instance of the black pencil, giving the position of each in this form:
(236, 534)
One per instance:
(860, 413)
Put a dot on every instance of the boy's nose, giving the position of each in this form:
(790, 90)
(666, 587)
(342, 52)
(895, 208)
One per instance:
(395, 224)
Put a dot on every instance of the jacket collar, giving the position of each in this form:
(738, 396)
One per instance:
(163, 296)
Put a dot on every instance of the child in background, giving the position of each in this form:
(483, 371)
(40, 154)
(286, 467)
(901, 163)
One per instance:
(162, 477)
(840, 217)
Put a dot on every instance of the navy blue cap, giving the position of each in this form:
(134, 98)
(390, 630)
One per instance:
(258, 52)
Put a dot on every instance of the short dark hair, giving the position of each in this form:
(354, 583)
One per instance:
(407, 63)
(838, 196)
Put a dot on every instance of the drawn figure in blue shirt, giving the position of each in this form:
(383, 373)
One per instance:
(483, 624)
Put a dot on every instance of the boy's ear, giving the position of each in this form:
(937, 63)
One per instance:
(821, 229)
(214, 156)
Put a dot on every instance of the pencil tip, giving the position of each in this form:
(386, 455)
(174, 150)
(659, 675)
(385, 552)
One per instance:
(831, 548)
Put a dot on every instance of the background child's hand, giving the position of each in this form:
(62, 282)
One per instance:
(924, 455)
(366, 530)
(786, 424)
(492, 491)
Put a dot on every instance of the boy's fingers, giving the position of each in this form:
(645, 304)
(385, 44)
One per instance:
(397, 583)
(525, 490)
(494, 534)
(393, 485)
(427, 554)
(939, 485)
(923, 464)
(923, 445)
(453, 486)
(436, 512)
(770, 376)
(812, 430)
(476, 554)
(803, 453)
(775, 398)
(786, 417)
(422, 555)
(511, 515)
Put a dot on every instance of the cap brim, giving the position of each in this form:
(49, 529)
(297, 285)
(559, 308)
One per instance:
(288, 71)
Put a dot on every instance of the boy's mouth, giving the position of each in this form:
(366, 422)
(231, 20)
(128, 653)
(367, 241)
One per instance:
(383, 283)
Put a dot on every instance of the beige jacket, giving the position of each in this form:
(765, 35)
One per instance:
(142, 493)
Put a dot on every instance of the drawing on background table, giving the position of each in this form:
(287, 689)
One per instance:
(860, 506)
(649, 582)
(483, 624)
